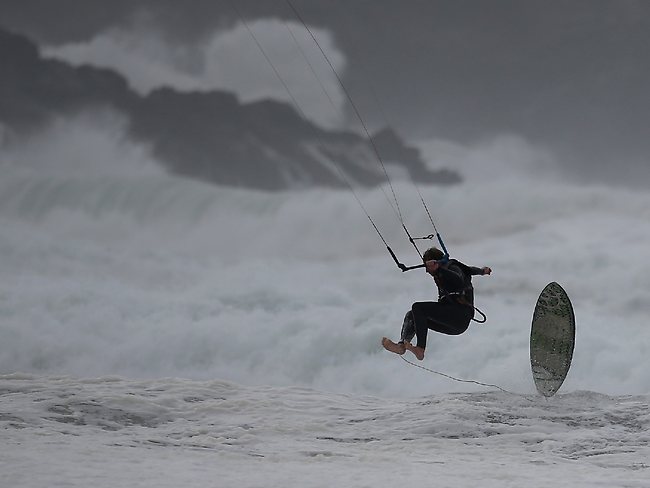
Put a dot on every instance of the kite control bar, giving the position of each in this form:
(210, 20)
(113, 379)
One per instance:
(401, 266)
(404, 268)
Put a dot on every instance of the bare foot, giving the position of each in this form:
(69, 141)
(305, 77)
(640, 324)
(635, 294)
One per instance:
(393, 347)
(418, 351)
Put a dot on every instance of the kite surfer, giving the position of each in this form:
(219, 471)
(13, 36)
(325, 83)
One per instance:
(453, 311)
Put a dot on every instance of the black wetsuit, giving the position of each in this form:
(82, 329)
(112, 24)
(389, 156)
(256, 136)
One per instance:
(453, 311)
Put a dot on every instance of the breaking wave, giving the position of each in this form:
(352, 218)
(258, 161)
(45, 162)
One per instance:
(111, 266)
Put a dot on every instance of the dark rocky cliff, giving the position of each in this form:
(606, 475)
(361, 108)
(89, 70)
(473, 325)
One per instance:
(207, 135)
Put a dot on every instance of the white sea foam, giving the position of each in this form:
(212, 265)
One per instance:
(108, 432)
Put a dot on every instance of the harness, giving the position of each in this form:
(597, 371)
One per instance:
(461, 300)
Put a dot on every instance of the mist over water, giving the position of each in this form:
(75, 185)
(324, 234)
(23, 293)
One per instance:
(109, 266)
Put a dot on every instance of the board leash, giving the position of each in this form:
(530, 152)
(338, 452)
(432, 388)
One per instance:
(489, 385)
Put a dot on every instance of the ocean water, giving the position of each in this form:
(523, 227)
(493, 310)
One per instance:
(117, 279)
(62, 431)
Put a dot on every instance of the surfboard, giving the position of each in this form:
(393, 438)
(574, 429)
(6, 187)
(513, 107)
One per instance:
(552, 339)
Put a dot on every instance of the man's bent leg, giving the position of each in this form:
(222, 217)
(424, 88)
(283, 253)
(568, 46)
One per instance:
(422, 311)
(408, 328)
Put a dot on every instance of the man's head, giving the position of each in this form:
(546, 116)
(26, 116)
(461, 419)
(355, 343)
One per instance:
(433, 254)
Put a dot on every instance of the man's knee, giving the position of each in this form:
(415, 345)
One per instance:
(418, 308)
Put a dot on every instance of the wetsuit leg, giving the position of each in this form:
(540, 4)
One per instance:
(444, 317)
(408, 328)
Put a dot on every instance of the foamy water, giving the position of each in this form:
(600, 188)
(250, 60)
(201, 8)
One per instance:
(110, 431)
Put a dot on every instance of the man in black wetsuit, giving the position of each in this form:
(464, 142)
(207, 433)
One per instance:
(451, 314)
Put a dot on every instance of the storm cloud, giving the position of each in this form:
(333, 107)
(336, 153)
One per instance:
(569, 77)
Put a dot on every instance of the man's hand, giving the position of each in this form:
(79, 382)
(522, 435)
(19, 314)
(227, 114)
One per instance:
(432, 266)
(487, 271)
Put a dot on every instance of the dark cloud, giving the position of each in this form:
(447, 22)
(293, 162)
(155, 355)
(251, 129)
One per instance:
(568, 75)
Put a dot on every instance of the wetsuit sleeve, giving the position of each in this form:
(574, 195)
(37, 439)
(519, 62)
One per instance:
(473, 270)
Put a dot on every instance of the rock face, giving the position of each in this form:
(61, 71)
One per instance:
(206, 135)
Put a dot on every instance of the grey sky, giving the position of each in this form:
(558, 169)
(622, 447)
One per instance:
(571, 76)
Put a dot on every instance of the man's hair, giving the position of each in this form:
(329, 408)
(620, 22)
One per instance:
(433, 254)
